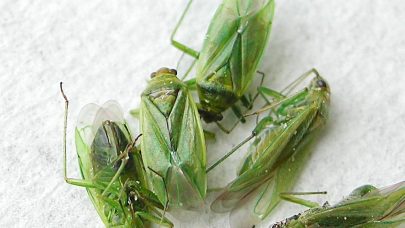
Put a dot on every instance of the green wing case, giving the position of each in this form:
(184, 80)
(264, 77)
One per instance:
(173, 145)
(232, 50)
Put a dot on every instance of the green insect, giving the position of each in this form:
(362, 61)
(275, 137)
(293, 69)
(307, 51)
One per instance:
(111, 168)
(173, 144)
(231, 52)
(366, 206)
(280, 148)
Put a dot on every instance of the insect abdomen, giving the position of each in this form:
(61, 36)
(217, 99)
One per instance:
(215, 96)
(108, 142)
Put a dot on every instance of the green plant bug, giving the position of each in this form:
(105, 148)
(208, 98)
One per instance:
(279, 148)
(366, 206)
(230, 55)
(111, 168)
(173, 144)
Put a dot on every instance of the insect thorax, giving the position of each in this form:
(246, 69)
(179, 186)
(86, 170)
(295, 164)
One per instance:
(163, 92)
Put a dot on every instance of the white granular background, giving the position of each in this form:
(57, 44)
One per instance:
(105, 50)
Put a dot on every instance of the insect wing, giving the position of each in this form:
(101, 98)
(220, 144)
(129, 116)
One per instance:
(236, 40)
(271, 148)
(189, 141)
(284, 178)
(173, 149)
(89, 130)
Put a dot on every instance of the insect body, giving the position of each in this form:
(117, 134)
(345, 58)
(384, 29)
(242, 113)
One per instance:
(112, 170)
(279, 150)
(173, 145)
(366, 206)
(231, 53)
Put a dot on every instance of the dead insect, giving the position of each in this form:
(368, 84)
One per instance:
(231, 53)
(173, 144)
(280, 147)
(366, 206)
(111, 168)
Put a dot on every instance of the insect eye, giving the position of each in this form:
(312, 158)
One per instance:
(321, 83)
(173, 71)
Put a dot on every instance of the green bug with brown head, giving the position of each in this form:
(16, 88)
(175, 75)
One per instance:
(173, 144)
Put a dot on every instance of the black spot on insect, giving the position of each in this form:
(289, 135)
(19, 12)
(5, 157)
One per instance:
(321, 83)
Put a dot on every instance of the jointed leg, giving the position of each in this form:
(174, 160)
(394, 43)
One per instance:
(267, 92)
(281, 96)
(247, 103)
(124, 160)
(116, 176)
(230, 153)
(188, 69)
(291, 196)
(179, 45)
(238, 113)
(263, 75)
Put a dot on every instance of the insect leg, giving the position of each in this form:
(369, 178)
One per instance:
(238, 113)
(267, 92)
(72, 181)
(124, 160)
(247, 103)
(188, 69)
(116, 176)
(291, 197)
(129, 188)
(241, 118)
(285, 100)
(282, 96)
(154, 219)
(179, 45)
(259, 127)
(230, 152)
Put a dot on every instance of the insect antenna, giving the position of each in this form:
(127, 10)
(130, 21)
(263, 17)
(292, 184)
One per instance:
(72, 181)
(287, 90)
(136, 139)
(64, 128)
(267, 107)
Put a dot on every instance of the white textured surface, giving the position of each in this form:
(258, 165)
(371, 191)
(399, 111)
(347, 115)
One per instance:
(106, 50)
